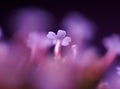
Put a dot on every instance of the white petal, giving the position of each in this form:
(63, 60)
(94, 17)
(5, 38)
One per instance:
(51, 35)
(61, 34)
(66, 41)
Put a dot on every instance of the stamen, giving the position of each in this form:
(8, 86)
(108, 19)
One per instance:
(74, 50)
(57, 49)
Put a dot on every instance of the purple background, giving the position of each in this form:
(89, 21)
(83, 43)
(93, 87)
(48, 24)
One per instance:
(106, 15)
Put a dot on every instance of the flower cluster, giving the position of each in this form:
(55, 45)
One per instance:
(34, 59)
(58, 72)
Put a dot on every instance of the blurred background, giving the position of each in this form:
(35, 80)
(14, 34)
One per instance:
(106, 15)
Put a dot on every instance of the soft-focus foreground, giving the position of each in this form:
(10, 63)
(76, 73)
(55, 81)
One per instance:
(37, 58)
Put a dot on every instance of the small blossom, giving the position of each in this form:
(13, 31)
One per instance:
(66, 41)
(59, 39)
(37, 40)
(59, 36)
(51, 35)
(112, 43)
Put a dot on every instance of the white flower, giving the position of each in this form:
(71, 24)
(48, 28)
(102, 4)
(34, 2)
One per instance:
(112, 43)
(59, 36)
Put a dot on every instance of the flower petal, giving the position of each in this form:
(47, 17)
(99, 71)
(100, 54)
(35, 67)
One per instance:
(51, 35)
(61, 34)
(66, 41)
